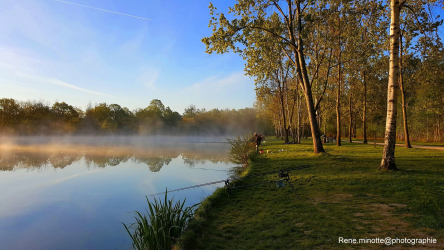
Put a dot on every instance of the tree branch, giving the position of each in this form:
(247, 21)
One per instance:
(326, 80)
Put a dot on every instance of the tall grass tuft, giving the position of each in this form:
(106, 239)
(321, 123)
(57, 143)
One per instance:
(241, 149)
(161, 226)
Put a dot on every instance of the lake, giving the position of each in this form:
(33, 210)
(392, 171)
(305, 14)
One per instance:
(75, 192)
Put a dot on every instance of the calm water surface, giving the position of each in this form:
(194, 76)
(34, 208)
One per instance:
(75, 193)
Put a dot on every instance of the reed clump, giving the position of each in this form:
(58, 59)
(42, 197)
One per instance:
(161, 226)
(241, 149)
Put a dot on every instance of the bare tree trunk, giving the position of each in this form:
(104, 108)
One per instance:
(302, 72)
(388, 155)
(338, 107)
(439, 130)
(351, 118)
(338, 104)
(427, 128)
(325, 127)
(355, 124)
(286, 130)
(404, 108)
(364, 116)
(298, 106)
(303, 130)
(290, 115)
(317, 143)
(276, 131)
(375, 141)
(299, 118)
(283, 114)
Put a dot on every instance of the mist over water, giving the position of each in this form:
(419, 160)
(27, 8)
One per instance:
(129, 140)
(73, 192)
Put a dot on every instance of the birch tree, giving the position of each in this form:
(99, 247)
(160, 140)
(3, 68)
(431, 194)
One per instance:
(388, 156)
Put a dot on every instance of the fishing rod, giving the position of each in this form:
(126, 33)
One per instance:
(279, 183)
(283, 173)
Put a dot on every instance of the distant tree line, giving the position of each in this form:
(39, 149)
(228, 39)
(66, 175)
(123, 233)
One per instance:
(59, 160)
(39, 117)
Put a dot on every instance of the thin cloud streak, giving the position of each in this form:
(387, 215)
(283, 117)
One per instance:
(58, 82)
(114, 12)
(74, 176)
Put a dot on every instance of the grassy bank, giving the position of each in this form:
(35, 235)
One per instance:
(342, 195)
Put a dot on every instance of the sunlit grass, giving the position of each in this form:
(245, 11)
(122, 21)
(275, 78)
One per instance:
(342, 195)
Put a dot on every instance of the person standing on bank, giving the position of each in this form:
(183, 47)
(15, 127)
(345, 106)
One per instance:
(258, 139)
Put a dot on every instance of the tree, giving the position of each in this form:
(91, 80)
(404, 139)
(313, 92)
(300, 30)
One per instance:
(9, 112)
(190, 112)
(66, 114)
(156, 107)
(151, 118)
(287, 29)
(36, 118)
(171, 118)
(273, 77)
(388, 157)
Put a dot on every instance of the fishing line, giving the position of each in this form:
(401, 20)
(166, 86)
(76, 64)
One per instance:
(237, 178)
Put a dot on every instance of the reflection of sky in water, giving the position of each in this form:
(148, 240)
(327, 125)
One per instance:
(82, 207)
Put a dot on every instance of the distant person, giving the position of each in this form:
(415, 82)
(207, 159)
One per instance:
(257, 139)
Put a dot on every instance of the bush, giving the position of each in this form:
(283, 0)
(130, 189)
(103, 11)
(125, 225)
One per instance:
(161, 226)
(241, 149)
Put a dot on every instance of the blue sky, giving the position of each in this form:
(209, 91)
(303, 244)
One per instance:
(55, 51)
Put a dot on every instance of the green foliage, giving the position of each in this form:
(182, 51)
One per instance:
(190, 112)
(241, 149)
(161, 226)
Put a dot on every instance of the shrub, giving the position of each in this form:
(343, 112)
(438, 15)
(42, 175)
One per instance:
(241, 149)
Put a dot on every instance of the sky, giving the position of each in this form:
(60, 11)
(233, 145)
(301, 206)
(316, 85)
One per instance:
(54, 50)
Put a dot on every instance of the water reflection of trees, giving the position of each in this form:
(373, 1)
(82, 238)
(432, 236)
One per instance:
(35, 161)
(154, 164)
(103, 161)
(155, 159)
(192, 160)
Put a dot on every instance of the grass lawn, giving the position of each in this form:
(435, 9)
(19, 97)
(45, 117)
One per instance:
(342, 195)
